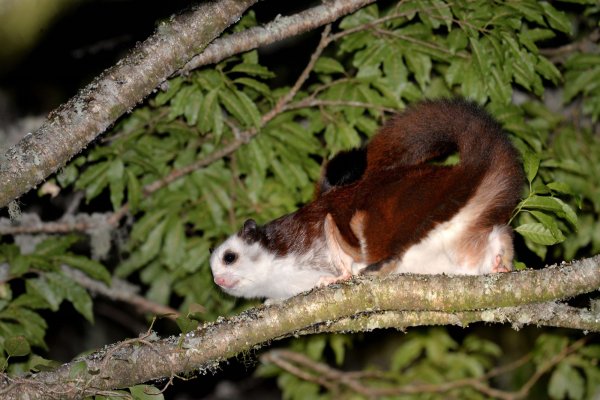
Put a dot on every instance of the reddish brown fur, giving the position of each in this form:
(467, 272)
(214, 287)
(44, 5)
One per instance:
(403, 196)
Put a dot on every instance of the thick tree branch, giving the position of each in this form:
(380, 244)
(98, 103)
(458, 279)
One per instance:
(141, 360)
(117, 90)
(552, 314)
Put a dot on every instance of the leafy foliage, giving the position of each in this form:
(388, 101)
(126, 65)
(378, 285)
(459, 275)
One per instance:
(227, 150)
(46, 286)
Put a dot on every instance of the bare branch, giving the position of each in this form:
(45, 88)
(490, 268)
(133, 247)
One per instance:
(279, 29)
(542, 314)
(121, 291)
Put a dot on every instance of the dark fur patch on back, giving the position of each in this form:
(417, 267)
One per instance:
(344, 168)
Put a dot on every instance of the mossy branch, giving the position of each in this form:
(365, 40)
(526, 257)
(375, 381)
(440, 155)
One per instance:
(361, 304)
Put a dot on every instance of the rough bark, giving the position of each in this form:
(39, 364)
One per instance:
(396, 301)
(116, 91)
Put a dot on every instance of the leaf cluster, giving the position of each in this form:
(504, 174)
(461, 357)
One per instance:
(38, 281)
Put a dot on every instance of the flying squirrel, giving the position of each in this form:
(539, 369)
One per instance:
(389, 207)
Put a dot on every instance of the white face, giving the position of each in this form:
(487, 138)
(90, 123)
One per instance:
(240, 268)
(250, 271)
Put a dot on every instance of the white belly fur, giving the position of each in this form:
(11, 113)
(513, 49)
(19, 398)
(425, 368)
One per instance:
(437, 252)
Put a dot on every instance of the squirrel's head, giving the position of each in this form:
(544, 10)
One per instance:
(241, 264)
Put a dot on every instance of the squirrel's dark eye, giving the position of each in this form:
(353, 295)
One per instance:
(229, 257)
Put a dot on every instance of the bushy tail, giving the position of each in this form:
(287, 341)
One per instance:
(436, 128)
(433, 128)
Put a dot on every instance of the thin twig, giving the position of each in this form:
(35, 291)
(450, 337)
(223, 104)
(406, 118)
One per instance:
(308, 102)
(120, 291)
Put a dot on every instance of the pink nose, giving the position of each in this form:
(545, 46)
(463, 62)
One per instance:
(224, 281)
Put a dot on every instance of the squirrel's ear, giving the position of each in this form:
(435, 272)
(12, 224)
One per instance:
(250, 232)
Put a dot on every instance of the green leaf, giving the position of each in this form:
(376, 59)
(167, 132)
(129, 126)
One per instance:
(315, 346)
(590, 350)
(93, 180)
(473, 85)
(161, 285)
(560, 187)
(33, 326)
(420, 65)
(557, 19)
(17, 346)
(145, 392)
(537, 233)
(92, 268)
(454, 74)
(191, 109)
(580, 82)
(78, 296)
(457, 40)
(186, 325)
(240, 106)
(55, 245)
(180, 101)
(499, 88)
(440, 12)
(174, 244)
(208, 108)
(553, 204)
(338, 343)
(116, 180)
(549, 223)
(480, 56)
(173, 86)
(406, 354)
(566, 382)
(134, 190)
(147, 224)
(19, 265)
(548, 344)
(67, 175)
(260, 87)
(531, 163)
(42, 288)
(530, 9)
(250, 109)
(253, 69)
(548, 69)
(197, 254)
(153, 243)
(38, 364)
(327, 65)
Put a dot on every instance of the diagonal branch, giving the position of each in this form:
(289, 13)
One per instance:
(279, 29)
(117, 90)
(134, 361)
